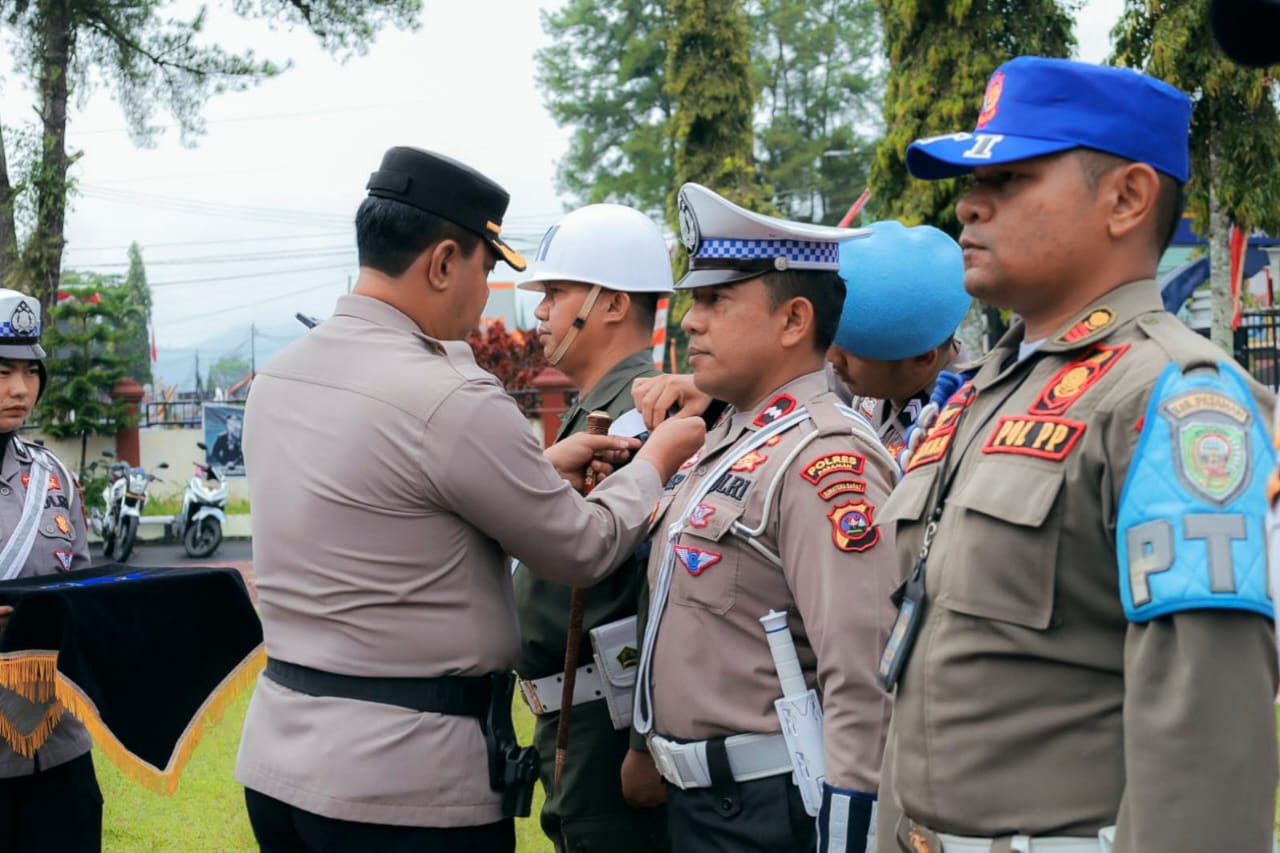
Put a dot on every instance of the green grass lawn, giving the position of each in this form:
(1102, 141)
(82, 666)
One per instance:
(207, 811)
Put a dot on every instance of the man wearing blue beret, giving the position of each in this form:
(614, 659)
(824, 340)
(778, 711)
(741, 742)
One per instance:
(904, 301)
(1083, 655)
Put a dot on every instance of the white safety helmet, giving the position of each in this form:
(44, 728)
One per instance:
(610, 245)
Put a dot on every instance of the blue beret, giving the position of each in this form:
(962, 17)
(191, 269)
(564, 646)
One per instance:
(905, 291)
(1035, 106)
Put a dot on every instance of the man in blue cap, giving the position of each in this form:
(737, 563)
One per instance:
(1083, 655)
(774, 517)
(897, 329)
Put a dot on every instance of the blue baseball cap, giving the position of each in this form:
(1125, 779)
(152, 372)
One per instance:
(1035, 106)
(904, 291)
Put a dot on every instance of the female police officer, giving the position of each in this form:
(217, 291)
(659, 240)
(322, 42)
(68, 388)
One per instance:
(50, 801)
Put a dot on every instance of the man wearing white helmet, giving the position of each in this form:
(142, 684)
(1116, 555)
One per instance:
(601, 271)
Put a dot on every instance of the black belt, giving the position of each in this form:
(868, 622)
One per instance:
(458, 695)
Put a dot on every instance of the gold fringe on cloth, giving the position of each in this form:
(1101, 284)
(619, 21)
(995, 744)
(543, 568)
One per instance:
(35, 676)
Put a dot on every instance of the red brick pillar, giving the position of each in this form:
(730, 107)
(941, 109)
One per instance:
(128, 446)
(553, 388)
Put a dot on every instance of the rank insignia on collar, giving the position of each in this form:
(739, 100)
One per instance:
(842, 487)
(696, 560)
(781, 406)
(55, 485)
(692, 460)
(64, 559)
(919, 841)
(853, 526)
(63, 524)
(1210, 434)
(868, 406)
(1095, 321)
(749, 462)
(1069, 383)
(833, 463)
(699, 514)
(1035, 435)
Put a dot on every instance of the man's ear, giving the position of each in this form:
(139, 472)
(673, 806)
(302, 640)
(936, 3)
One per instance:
(1129, 194)
(436, 262)
(798, 321)
(613, 305)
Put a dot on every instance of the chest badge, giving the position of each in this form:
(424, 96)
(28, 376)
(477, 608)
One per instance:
(700, 515)
(853, 526)
(64, 559)
(695, 560)
(63, 524)
(750, 462)
(1069, 383)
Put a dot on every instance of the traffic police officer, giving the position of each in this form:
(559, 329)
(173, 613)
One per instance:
(777, 512)
(389, 474)
(601, 270)
(50, 801)
(1083, 656)
(897, 330)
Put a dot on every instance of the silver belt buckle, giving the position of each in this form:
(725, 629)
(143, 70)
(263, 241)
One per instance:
(530, 695)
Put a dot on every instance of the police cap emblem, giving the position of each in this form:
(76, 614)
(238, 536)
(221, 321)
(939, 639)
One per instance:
(689, 234)
(23, 321)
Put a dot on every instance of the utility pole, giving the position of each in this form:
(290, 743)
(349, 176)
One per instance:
(253, 349)
(198, 392)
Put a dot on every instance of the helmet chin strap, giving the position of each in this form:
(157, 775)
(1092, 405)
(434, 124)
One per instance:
(578, 323)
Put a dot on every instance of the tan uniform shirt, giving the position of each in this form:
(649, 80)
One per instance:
(891, 421)
(809, 501)
(61, 545)
(388, 475)
(1030, 703)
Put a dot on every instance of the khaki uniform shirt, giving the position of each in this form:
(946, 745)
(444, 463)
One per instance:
(891, 421)
(1031, 704)
(810, 501)
(388, 475)
(61, 546)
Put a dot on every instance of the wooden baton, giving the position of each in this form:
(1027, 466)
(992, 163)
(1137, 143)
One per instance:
(598, 423)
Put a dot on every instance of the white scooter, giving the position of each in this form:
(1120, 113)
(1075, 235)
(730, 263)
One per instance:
(124, 496)
(204, 506)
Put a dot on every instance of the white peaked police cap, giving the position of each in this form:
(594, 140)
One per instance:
(728, 243)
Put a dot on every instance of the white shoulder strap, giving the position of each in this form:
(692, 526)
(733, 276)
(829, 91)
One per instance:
(18, 546)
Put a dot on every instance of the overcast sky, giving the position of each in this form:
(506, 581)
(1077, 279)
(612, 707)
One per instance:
(253, 223)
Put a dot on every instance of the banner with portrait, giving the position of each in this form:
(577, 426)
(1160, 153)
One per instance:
(223, 428)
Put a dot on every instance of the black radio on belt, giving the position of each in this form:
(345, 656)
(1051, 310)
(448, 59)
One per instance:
(513, 769)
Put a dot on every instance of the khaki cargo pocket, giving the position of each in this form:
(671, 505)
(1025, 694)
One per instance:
(997, 558)
(909, 500)
(707, 558)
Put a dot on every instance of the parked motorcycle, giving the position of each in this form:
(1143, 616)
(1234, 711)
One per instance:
(204, 510)
(125, 495)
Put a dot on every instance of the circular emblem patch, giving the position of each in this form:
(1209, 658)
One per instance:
(23, 322)
(689, 234)
(1214, 457)
(991, 100)
(853, 526)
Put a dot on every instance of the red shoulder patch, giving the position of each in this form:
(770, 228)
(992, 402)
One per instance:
(853, 526)
(833, 463)
(935, 442)
(1069, 383)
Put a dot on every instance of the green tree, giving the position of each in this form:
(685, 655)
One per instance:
(135, 349)
(227, 371)
(83, 363)
(153, 62)
(1235, 131)
(941, 53)
(814, 66)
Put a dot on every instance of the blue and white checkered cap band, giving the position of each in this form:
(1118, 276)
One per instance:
(8, 334)
(816, 254)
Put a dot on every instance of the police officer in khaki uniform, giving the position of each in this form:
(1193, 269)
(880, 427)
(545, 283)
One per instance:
(896, 333)
(390, 477)
(50, 801)
(1083, 657)
(601, 270)
(777, 512)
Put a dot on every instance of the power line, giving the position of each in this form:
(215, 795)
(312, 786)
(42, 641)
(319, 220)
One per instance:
(245, 275)
(202, 315)
(315, 236)
(239, 258)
